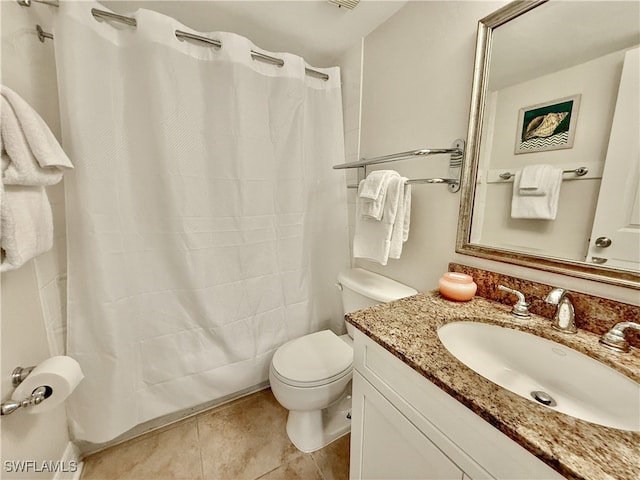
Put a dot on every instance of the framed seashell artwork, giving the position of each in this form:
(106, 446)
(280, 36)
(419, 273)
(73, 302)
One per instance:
(547, 126)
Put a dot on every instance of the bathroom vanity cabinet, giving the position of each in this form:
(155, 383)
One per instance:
(405, 427)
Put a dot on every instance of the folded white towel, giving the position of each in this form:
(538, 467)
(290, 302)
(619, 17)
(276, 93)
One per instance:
(541, 204)
(372, 238)
(531, 176)
(374, 192)
(400, 232)
(534, 180)
(407, 212)
(375, 183)
(26, 225)
(31, 155)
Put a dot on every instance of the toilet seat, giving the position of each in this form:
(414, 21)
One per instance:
(313, 360)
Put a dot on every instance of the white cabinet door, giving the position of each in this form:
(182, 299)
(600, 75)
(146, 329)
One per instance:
(615, 239)
(386, 445)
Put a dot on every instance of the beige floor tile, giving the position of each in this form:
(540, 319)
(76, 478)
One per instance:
(100, 466)
(333, 460)
(246, 440)
(233, 403)
(300, 467)
(172, 454)
(243, 440)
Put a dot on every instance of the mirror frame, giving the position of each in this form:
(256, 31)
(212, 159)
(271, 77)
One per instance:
(624, 278)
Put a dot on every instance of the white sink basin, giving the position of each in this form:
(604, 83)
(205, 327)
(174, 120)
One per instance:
(524, 363)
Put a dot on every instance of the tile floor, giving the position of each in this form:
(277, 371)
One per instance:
(242, 440)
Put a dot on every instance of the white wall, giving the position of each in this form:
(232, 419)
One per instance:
(33, 297)
(350, 64)
(28, 67)
(417, 78)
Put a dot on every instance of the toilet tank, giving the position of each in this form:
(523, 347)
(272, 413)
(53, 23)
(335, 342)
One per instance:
(362, 289)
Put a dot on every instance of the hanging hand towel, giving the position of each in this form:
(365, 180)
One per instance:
(31, 155)
(374, 192)
(400, 232)
(372, 238)
(541, 204)
(407, 212)
(26, 225)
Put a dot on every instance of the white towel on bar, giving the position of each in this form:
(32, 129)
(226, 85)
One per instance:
(374, 192)
(372, 239)
(31, 155)
(400, 232)
(26, 225)
(542, 204)
(407, 212)
(534, 180)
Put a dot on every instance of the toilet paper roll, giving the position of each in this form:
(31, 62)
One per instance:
(60, 374)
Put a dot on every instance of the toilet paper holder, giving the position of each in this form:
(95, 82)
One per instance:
(19, 374)
(37, 396)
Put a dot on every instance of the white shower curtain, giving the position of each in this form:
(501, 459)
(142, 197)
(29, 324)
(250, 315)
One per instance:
(205, 225)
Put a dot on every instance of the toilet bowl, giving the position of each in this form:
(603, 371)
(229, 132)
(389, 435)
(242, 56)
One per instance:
(306, 386)
(311, 376)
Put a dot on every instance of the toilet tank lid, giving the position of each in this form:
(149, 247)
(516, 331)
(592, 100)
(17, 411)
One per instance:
(373, 285)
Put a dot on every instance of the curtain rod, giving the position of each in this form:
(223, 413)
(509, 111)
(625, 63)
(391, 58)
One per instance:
(102, 14)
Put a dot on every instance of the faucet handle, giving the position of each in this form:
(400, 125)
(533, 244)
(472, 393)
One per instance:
(521, 307)
(615, 337)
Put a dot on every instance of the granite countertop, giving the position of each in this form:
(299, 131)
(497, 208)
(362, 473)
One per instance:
(575, 448)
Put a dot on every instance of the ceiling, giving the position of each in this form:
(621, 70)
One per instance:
(314, 29)
(558, 35)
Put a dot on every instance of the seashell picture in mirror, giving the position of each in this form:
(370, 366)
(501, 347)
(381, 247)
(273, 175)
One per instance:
(547, 126)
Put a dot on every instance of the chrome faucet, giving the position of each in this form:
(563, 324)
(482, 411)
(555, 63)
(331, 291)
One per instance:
(615, 338)
(521, 307)
(564, 319)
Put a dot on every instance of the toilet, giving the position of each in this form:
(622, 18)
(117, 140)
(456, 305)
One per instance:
(311, 376)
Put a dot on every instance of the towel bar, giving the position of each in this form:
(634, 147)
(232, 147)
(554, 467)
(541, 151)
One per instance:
(455, 164)
(449, 181)
(579, 172)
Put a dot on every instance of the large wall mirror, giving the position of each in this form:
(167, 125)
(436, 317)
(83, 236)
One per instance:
(552, 173)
